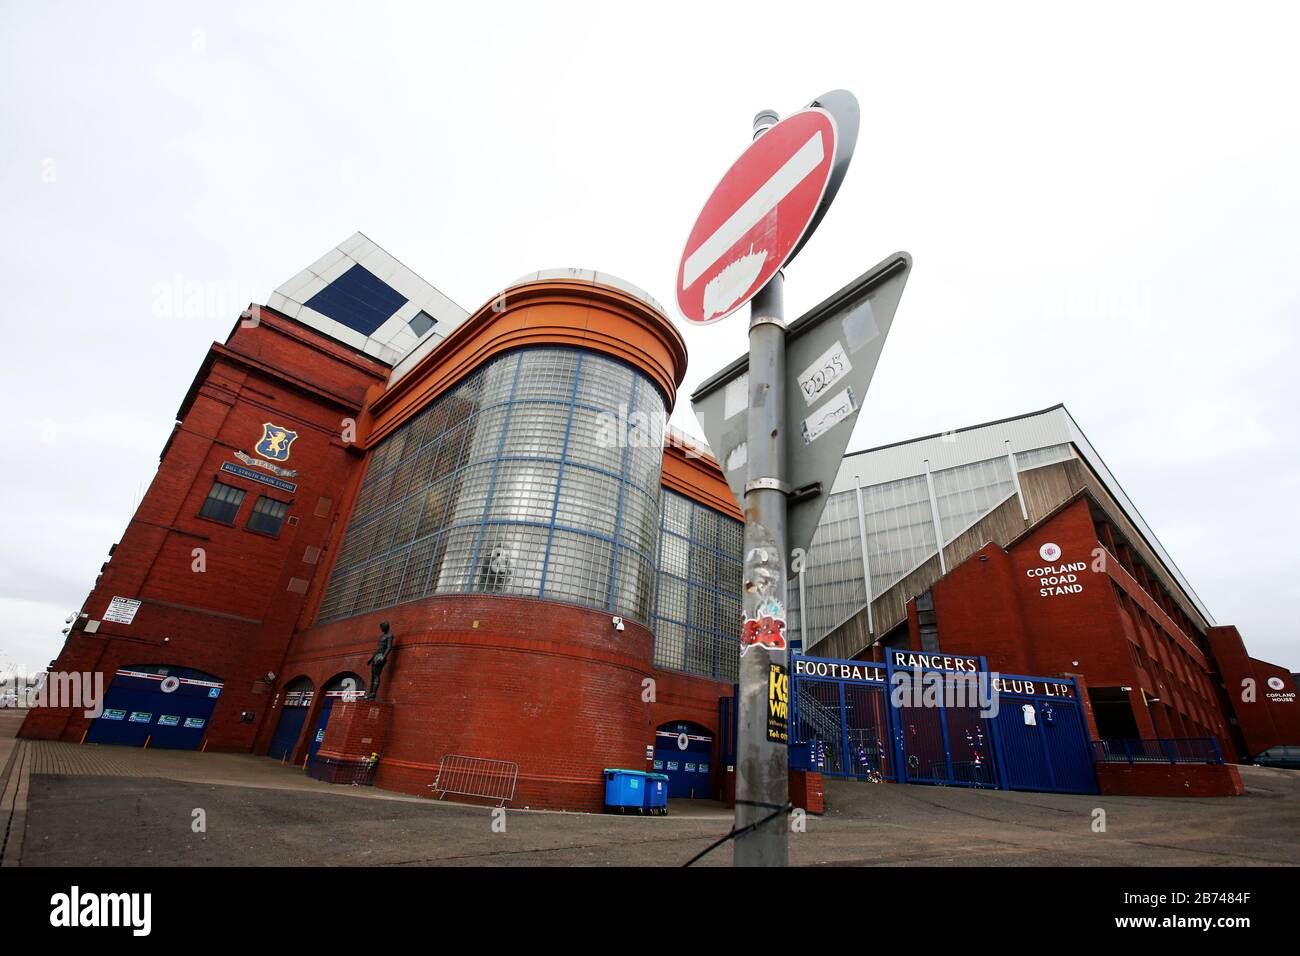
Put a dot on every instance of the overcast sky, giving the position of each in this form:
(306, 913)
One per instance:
(1103, 207)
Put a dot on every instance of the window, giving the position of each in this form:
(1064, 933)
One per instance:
(422, 322)
(267, 515)
(222, 503)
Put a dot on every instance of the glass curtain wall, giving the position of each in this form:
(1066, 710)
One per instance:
(537, 475)
(698, 609)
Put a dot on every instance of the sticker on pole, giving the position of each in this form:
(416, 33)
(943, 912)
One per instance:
(778, 704)
(757, 216)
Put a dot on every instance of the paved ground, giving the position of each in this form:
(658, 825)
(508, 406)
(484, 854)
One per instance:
(97, 805)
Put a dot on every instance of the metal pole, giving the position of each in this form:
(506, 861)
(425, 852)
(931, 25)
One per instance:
(1015, 480)
(866, 561)
(803, 608)
(762, 765)
(934, 516)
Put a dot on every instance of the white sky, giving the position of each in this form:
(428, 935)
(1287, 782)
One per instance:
(1102, 203)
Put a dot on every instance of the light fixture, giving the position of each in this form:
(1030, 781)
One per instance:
(617, 622)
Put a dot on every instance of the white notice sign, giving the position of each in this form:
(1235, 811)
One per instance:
(121, 610)
(828, 416)
(736, 397)
(830, 367)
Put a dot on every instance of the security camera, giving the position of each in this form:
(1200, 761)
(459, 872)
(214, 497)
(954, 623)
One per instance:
(70, 618)
(618, 623)
(66, 630)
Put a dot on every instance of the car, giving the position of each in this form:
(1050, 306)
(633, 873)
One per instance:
(1283, 756)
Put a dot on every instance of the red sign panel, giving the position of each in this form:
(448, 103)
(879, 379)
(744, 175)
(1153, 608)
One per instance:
(756, 216)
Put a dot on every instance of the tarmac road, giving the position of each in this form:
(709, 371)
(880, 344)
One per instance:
(111, 806)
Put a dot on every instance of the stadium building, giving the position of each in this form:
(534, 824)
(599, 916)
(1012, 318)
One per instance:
(561, 575)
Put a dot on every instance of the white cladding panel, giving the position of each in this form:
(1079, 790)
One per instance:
(374, 314)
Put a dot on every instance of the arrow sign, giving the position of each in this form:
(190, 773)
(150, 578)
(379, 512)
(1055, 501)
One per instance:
(831, 355)
(757, 216)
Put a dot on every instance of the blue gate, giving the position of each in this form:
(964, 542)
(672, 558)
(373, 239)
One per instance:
(840, 721)
(684, 751)
(1044, 736)
(939, 719)
(161, 705)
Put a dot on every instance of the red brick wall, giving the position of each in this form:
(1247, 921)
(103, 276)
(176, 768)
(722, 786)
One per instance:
(994, 607)
(551, 687)
(1169, 780)
(235, 619)
(992, 604)
(1273, 717)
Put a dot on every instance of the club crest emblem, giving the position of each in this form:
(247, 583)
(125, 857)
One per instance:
(275, 442)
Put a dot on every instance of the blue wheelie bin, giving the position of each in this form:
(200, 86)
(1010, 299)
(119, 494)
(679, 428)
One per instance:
(624, 790)
(656, 793)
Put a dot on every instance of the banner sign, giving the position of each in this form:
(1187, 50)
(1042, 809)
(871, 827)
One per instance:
(938, 662)
(251, 475)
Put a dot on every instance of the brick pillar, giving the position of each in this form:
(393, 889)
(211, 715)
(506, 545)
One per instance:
(357, 729)
(1142, 713)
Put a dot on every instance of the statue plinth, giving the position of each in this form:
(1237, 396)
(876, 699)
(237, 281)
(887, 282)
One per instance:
(356, 730)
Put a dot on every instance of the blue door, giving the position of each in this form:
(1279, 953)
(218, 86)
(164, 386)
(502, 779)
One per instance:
(318, 732)
(298, 696)
(167, 706)
(684, 751)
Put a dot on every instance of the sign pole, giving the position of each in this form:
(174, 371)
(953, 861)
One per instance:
(762, 764)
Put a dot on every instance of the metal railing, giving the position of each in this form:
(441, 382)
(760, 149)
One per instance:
(1159, 750)
(476, 777)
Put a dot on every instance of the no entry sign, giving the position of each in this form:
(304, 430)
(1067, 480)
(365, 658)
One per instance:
(757, 215)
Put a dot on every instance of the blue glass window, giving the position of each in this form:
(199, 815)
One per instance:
(358, 299)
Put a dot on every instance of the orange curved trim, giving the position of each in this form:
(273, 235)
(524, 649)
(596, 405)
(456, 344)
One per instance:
(698, 477)
(548, 312)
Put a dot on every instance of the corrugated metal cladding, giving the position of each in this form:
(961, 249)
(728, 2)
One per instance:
(1029, 437)
(961, 447)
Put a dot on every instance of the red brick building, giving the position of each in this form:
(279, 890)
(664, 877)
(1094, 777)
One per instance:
(1045, 567)
(564, 585)
(493, 486)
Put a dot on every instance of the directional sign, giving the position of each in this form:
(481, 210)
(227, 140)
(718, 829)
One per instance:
(757, 216)
(831, 354)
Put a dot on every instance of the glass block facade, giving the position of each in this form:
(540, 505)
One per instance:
(900, 532)
(514, 482)
(698, 606)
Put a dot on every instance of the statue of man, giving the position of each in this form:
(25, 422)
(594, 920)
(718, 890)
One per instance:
(379, 658)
